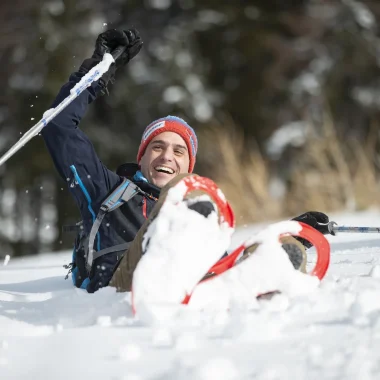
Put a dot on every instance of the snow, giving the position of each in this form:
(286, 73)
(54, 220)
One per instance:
(164, 275)
(268, 269)
(50, 330)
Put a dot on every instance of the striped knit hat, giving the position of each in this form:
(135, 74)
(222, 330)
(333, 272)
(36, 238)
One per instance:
(170, 124)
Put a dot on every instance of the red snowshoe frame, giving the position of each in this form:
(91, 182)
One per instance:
(226, 214)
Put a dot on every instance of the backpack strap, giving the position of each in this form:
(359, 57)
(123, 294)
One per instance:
(115, 248)
(123, 193)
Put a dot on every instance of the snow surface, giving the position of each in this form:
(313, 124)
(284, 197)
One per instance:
(50, 330)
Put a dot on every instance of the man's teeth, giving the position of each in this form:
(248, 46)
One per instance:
(164, 169)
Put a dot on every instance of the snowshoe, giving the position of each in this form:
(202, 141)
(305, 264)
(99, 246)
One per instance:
(183, 242)
(269, 270)
(185, 239)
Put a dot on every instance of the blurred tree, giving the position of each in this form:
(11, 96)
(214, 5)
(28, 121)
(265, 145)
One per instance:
(264, 65)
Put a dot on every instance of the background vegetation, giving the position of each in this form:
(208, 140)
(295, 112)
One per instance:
(284, 96)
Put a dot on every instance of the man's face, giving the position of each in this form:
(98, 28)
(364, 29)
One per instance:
(165, 157)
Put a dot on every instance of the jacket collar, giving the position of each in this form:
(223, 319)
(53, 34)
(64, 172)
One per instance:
(132, 172)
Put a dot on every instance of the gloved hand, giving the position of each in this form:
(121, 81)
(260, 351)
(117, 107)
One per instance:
(107, 42)
(317, 220)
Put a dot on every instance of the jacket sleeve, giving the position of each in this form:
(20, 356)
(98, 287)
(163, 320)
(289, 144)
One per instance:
(73, 153)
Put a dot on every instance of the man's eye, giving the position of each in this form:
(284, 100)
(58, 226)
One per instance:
(178, 152)
(157, 147)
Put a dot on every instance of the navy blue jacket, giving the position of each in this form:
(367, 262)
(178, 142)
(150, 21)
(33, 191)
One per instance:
(90, 181)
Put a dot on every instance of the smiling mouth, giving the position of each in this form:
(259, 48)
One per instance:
(164, 169)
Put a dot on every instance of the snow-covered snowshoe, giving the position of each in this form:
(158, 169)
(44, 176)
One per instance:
(185, 239)
(183, 249)
(269, 270)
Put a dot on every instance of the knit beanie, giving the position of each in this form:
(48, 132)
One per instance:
(170, 124)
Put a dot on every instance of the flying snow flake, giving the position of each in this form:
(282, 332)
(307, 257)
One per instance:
(32, 118)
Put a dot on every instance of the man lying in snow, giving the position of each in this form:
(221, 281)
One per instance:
(116, 208)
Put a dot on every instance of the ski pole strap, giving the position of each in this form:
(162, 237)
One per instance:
(123, 193)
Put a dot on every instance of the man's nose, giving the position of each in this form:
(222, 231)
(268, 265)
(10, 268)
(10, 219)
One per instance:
(168, 154)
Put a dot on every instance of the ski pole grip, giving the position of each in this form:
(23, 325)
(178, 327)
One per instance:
(118, 51)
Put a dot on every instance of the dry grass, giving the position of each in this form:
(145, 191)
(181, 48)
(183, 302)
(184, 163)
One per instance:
(243, 177)
(328, 174)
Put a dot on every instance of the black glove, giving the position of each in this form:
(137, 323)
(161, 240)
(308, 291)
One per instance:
(317, 220)
(107, 42)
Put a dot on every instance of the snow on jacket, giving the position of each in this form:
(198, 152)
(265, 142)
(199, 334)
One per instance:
(90, 181)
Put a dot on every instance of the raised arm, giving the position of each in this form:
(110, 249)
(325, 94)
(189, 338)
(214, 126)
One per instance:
(71, 150)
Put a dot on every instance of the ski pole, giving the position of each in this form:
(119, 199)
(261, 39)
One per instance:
(333, 227)
(93, 75)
